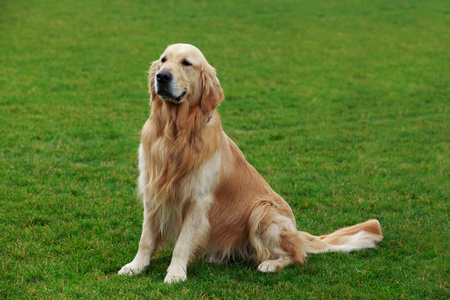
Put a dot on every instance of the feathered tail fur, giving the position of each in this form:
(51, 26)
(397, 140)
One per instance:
(360, 236)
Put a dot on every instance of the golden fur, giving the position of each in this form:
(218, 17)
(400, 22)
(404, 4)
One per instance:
(199, 190)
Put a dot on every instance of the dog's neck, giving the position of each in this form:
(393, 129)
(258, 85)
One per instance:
(178, 120)
(178, 139)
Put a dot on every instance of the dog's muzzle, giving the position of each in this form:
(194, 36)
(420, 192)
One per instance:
(164, 87)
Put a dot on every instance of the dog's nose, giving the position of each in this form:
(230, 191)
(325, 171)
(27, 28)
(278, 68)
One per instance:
(164, 76)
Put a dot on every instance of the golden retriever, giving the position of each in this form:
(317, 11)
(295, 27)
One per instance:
(199, 191)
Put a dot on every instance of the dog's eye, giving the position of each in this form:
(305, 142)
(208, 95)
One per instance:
(163, 60)
(186, 63)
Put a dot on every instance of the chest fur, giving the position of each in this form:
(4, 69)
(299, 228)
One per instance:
(169, 208)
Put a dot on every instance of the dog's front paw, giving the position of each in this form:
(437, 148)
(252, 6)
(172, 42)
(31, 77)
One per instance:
(175, 274)
(132, 269)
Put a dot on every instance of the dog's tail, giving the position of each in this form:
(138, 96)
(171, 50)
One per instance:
(360, 236)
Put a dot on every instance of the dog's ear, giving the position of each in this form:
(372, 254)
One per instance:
(212, 91)
(151, 80)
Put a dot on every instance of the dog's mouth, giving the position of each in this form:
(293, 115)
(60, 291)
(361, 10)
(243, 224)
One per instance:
(166, 96)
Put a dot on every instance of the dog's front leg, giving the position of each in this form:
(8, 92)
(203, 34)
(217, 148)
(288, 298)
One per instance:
(193, 235)
(147, 245)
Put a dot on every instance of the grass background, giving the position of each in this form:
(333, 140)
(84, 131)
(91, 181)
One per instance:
(343, 106)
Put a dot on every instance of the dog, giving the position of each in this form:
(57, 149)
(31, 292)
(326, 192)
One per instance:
(199, 191)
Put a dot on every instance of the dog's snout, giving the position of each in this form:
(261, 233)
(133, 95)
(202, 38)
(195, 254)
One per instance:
(164, 76)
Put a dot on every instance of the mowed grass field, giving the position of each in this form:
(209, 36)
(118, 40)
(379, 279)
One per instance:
(343, 106)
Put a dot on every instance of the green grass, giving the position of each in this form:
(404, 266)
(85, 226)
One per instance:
(343, 106)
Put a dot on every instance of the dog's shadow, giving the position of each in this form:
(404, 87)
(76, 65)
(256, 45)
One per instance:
(202, 271)
(245, 273)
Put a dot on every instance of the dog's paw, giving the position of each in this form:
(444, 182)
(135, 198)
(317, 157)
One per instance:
(268, 266)
(174, 275)
(132, 269)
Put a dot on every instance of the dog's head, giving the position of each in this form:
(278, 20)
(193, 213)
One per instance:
(182, 75)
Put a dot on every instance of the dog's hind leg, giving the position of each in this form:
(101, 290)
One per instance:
(272, 265)
(276, 243)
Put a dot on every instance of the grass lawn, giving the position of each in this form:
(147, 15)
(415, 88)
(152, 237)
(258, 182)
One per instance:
(343, 106)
